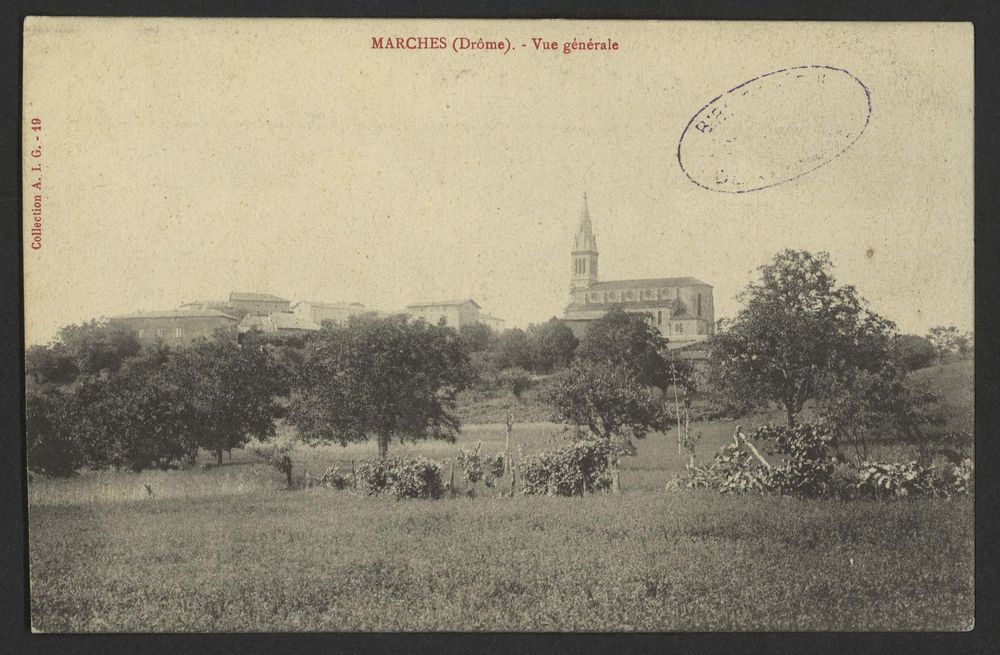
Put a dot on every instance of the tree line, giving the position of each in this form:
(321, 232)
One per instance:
(96, 398)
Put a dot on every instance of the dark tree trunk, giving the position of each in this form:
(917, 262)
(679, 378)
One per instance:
(790, 413)
(383, 446)
(218, 456)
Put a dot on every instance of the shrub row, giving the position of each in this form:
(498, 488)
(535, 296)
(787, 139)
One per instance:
(577, 468)
(806, 469)
(400, 477)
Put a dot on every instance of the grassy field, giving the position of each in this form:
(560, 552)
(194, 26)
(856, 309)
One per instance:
(228, 549)
(324, 560)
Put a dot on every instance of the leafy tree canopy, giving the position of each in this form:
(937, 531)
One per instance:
(913, 351)
(552, 345)
(382, 377)
(797, 329)
(230, 388)
(609, 400)
(98, 345)
(627, 339)
(477, 337)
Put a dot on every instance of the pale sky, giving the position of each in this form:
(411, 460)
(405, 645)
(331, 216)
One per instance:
(186, 158)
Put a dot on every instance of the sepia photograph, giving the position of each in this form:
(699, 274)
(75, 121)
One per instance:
(454, 325)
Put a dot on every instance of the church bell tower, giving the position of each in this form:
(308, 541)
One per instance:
(584, 254)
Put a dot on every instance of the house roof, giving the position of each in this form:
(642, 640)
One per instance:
(290, 321)
(649, 282)
(254, 297)
(330, 305)
(177, 313)
(443, 303)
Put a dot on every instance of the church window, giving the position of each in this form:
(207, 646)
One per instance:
(178, 332)
(159, 332)
(679, 328)
(659, 317)
(141, 332)
(699, 305)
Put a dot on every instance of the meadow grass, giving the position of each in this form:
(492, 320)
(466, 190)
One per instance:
(326, 560)
(228, 549)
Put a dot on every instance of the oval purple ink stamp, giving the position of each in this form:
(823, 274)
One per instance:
(774, 128)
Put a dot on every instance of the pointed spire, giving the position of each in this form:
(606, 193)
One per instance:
(585, 232)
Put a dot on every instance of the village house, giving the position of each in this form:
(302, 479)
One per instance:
(492, 321)
(682, 308)
(281, 323)
(177, 327)
(317, 312)
(455, 313)
(258, 304)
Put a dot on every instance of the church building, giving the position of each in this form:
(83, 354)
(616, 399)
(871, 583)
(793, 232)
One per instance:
(680, 307)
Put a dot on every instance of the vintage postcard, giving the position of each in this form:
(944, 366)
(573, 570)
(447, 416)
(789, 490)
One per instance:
(490, 325)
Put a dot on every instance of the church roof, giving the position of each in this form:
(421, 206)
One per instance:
(649, 282)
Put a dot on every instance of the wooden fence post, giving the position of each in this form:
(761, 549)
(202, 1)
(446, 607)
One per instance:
(354, 474)
(451, 480)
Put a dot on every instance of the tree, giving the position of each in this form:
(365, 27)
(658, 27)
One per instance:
(860, 404)
(552, 345)
(964, 345)
(913, 351)
(98, 346)
(50, 444)
(513, 349)
(945, 340)
(378, 377)
(136, 419)
(610, 401)
(516, 380)
(230, 389)
(625, 338)
(797, 330)
(50, 364)
(477, 337)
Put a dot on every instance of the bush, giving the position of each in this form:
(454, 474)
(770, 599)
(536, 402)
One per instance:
(732, 470)
(515, 380)
(277, 453)
(911, 479)
(579, 467)
(400, 477)
(476, 467)
(334, 479)
(806, 469)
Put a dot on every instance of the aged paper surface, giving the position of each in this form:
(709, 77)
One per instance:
(396, 163)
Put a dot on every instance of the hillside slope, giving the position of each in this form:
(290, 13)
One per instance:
(955, 383)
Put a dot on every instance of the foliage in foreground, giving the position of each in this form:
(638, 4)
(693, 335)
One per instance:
(807, 469)
(577, 468)
(400, 477)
